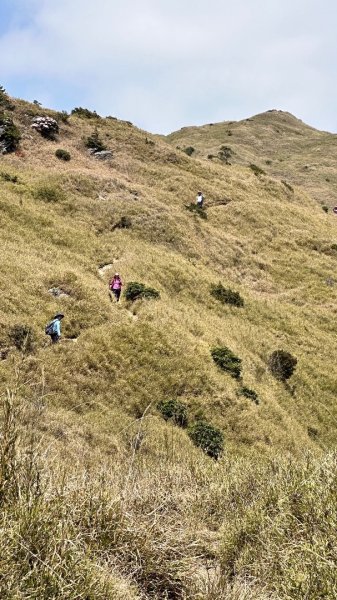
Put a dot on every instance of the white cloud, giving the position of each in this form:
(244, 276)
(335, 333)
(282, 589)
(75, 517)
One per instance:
(163, 64)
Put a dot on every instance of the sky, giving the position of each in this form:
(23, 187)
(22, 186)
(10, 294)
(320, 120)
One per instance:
(166, 64)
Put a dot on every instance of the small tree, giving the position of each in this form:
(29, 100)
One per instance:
(225, 154)
(63, 154)
(10, 135)
(94, 142)
(282, 364)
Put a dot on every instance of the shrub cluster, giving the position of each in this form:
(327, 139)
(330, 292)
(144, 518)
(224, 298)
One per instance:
(9, 134)
(94, 142)
(85, 113)
(173, 410)
(63, 154)
(226, 295)
(136, 290)
(189, 150)
(282, 364)
(226, 360)
(47, 126)
(207, 437)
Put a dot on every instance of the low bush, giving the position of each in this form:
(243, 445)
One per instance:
(210, 156)
(135, 290)
(85, 113)
(282, 364)
(10, 135)
(325, 208)
(226, 360)
(189, 150)
(225, 154)
(249, 393)
(63, 154)
(22, 337)
(226, 295)
(207, 437)
(46, 126)
(48, 193)
(173, 410)
(94, 142)
(63, 116)
(256, 170)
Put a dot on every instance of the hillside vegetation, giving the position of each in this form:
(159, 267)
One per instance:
(105, 493)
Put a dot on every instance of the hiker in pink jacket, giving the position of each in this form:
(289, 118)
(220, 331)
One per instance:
(115, 285)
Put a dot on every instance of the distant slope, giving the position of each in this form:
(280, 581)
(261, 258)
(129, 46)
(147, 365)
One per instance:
(278, 143)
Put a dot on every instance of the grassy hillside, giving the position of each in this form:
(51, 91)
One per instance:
(281, 145)
(102, 497)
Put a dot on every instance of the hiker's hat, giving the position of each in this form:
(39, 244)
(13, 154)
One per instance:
(116, 275)
(59, 316)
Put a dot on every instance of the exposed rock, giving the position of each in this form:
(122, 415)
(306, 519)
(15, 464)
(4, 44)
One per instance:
(58, 292)
(102, 155)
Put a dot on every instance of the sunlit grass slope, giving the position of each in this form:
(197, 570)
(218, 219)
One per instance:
(277, 143)
(130, 508)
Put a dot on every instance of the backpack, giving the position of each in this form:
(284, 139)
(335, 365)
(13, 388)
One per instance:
(49, 329)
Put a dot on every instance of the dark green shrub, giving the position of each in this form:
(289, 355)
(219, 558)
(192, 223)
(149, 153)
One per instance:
(9, 177)
(225, 154)
(136, 290)
(62, 154)
(150, 142)
(226, 360)
(123, 223)
(226, 295)
(325, 208)
(313, 432)
(22, 337)
(210, 156)
(207, 437)
(197, 210)
(94, 142)
(174, 410)
(282, 364)
(269, 162)
(9, 134)
(248, 393)
(48, 193)
(189, 150)
(85, 113)
(256, 170)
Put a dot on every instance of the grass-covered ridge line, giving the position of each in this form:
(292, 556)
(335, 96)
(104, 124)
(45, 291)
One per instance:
(108, 498)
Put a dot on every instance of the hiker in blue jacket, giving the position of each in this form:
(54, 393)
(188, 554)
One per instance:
(54, 328)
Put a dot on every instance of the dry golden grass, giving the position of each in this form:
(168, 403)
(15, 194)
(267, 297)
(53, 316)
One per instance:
(119, 503)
